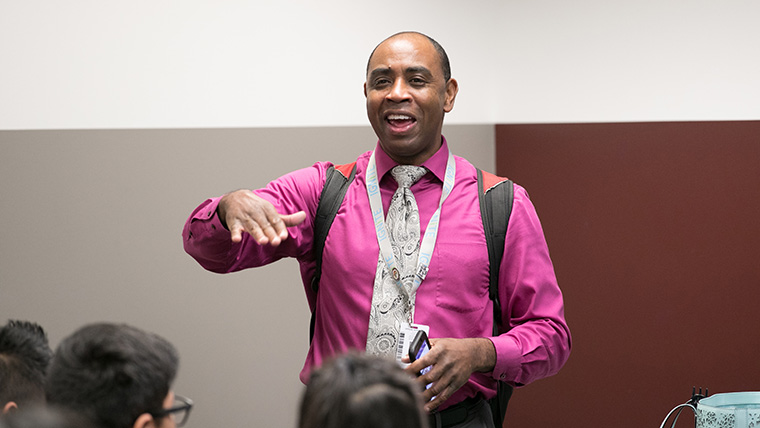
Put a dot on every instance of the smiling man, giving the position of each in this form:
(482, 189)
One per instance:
(406, 250)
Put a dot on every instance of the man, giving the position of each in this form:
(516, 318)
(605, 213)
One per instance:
(24, 358)
(371, 291)
(360, 390)
(117, 376)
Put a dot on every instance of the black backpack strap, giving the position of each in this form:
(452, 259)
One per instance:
(495, 195)
(336, 185)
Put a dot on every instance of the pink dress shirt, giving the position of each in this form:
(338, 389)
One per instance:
(453, 298)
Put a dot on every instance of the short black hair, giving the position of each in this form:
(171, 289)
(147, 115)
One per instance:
(24, 358)
(445, 65)
(361, 390)
(112, 373)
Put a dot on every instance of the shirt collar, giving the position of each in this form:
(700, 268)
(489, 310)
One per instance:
(436, 164)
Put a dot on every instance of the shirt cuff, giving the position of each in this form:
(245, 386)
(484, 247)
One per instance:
(508, 359)
(204, 222)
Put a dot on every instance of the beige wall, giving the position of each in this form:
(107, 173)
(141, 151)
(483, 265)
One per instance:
(91, 232)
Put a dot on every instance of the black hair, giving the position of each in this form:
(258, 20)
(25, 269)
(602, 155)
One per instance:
(359, 390)
(112, 373)
(445, 65)
(24, 358)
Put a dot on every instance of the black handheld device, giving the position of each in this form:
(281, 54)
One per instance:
(419, 347)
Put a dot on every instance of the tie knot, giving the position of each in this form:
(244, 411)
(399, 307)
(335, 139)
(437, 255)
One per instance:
(406, 175)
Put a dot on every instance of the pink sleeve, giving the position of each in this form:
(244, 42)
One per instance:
(538, 342)
(209, 243)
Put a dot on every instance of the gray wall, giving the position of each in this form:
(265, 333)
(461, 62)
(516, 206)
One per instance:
(91, 232)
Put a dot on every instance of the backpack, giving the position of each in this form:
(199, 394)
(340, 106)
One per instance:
(495, 195)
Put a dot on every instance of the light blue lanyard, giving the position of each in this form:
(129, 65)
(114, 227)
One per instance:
(431, 232)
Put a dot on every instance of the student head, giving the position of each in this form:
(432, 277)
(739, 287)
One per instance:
(358, 390)
(24, 358)
(116, 375)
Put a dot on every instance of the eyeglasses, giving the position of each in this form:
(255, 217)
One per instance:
(180, 410)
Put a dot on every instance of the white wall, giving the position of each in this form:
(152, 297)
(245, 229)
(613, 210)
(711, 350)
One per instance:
(645, 60)
(203, 63)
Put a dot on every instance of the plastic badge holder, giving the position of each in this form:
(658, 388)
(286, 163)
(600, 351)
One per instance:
(729, 410)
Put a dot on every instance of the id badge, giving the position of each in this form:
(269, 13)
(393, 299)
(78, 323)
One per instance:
(405, 336)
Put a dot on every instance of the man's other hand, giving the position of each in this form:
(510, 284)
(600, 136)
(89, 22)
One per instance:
(453, 361)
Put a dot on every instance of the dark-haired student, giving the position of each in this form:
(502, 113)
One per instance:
(24, 358)
(362, 390)
(117, 376)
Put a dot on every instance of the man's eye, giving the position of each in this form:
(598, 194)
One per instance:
(382, 82)
(417, 81)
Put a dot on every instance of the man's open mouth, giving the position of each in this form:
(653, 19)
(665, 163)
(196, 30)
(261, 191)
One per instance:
(400, 122)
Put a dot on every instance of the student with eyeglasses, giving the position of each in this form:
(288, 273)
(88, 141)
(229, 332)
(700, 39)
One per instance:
(117, 376)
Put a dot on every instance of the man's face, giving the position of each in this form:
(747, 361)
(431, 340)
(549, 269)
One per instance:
(407, 97)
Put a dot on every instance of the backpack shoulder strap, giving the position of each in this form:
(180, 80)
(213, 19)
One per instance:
(496, 195)
(337, 179)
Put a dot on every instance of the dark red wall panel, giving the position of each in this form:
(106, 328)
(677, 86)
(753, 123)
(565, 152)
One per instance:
(654, 229)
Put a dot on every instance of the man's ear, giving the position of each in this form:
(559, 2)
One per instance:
(452, 87)
(144, 421)
(9, 406)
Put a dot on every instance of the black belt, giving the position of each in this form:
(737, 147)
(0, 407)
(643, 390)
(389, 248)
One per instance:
(455, 414)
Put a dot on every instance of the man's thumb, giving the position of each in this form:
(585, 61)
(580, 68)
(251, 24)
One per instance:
(293, 219)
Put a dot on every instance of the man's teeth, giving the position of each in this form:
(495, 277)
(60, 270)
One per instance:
(399, 117)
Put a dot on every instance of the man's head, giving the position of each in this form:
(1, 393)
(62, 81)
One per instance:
(116, 375)
(361, 391)
(409, 89)
(24, 358)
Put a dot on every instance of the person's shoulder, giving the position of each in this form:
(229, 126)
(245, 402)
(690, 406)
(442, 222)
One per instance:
(520, 192)
(464, 167)
(360, 163)
(317, 172)
(363, 159)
